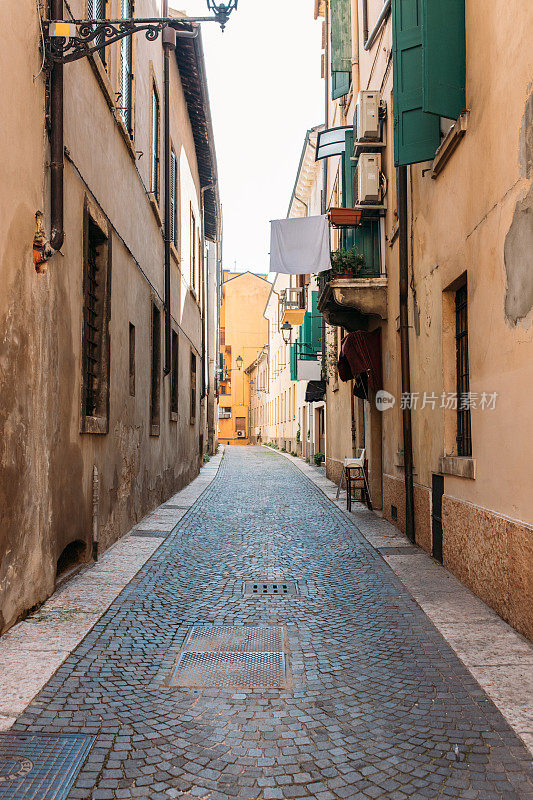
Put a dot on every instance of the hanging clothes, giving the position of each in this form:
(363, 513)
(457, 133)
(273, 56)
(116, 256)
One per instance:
(360, 361)
(300, 246)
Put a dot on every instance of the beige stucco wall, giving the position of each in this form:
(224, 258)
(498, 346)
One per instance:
(46, 464)
(475, 217)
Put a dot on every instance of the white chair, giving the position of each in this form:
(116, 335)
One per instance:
(357, 465)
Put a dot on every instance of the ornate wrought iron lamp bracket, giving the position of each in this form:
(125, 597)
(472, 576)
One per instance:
(74, 39)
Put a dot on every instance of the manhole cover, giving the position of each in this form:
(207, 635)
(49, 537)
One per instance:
(232, 656)
(399, 550)
(271, 589)
(41, 766)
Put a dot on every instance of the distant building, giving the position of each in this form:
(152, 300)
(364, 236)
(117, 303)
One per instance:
(243, 332)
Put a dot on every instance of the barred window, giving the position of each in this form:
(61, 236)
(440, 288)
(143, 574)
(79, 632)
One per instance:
(126, 72)
(96, 315)
(464, 428)
(173, 198)
(174, 373)
(154, 167)
(155, 382)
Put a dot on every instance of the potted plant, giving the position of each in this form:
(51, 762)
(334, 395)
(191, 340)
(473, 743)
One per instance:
(345, 263)
(319, 458)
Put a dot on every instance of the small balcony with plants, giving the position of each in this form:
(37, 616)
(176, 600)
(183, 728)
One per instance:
(355, 287)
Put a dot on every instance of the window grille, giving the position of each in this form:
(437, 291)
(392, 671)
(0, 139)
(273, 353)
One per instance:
(193, 250)
(126, 71)
(155, 371)
(173, 192)
(193, 388)
(464, 429)
(175, 373)
(96, 310)
(154, 177)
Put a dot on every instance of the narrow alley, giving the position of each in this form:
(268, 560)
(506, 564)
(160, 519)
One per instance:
(205, 678)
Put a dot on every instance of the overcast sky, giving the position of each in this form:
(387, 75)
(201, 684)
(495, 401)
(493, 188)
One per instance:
(266, 92)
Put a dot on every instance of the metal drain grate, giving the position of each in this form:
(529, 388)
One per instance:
(232, 656)
(266, 589)
(152, 534)
(40, 765)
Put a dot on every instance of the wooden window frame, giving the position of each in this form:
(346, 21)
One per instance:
(155, 141)
(93, 217)
(129, 125)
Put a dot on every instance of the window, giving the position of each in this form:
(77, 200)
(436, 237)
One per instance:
(155, 382)
(96, 9)
(96, 315)
(154, 166)
(464, 430)
(193, 250)
(174, 382)
(193, 388)
(126, 72)
(132, 360)
(173, 196)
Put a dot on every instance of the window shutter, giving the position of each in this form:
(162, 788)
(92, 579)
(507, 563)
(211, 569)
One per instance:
(294, 361)
(416, 133)
(173, 197)
(349, 168)
(444, 57)
(341, 35)
(367, 242)
(340, 84)
(316, 324)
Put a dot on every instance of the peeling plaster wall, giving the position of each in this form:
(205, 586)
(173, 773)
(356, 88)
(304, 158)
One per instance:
(46, 465)
(518, 255)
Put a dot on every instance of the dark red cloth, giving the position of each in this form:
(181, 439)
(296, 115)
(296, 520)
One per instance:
(361, 354)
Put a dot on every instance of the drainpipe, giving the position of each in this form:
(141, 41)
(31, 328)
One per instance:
(57, 233)
(386, 10)
(96, 505)
(365, 22)
(404, 349)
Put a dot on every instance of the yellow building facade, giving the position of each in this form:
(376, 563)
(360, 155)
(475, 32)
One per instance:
(243, 332)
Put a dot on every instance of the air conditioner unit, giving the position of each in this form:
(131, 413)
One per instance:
(367, 124)
(368, 183)
(241, 434)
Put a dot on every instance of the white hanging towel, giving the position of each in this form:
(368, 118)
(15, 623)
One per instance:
(300, 246)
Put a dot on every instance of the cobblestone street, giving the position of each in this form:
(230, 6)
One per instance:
(372, 701)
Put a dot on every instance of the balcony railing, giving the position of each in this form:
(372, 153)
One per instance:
(292, 303)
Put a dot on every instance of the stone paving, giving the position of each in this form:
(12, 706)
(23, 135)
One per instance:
(377, 704)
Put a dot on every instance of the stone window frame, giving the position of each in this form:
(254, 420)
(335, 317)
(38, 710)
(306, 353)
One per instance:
(174, 375)
(98, 423)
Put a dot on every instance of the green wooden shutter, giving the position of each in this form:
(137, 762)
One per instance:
(444, 57)
(368, 243)
(294, 361)
(316, 324)
(341, 35)
(416, 133)
(340, 84)
(349, 169)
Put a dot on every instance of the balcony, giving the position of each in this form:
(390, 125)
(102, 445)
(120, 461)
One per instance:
(348, 302)
(292, 305)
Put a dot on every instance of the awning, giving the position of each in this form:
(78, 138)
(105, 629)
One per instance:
(300, 246)
(331, 142)
(360, 361)
(315, 392)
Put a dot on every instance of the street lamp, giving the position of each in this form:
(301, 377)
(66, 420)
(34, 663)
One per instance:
(238, 361)
(222, 11)
(286, 332)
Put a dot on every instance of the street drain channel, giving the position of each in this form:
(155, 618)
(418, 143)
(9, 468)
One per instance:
(39, 765)
(228, 656)
(273, 589)
(400, 550)
(151, 534)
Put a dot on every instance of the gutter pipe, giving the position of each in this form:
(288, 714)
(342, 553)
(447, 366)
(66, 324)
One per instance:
(57, 233)
(385, 11)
